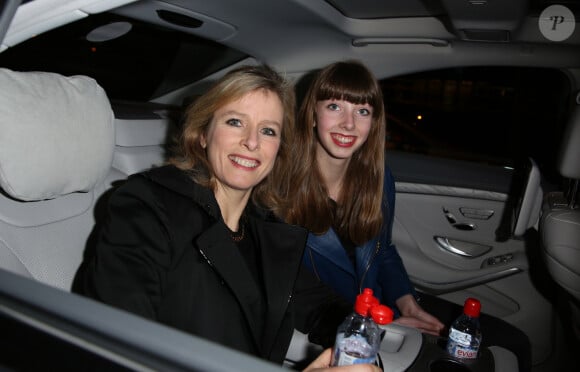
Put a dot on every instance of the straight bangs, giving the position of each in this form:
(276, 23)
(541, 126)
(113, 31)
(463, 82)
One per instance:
(352, 83)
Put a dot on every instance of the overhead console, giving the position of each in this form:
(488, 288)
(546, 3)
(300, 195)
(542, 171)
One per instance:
(180, 18)
(484, 20)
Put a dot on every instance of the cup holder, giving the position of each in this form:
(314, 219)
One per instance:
(447, 365)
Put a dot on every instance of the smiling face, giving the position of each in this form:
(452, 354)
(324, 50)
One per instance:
(342, 127)
(242, 141)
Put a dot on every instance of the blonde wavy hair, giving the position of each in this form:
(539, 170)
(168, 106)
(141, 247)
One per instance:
(191, 157)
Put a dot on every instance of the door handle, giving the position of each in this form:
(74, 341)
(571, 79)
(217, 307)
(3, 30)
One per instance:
(462, 248)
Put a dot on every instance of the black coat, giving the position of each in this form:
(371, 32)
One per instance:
(166, 254)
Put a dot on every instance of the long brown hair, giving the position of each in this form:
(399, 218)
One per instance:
(192, 157)
(358, 213)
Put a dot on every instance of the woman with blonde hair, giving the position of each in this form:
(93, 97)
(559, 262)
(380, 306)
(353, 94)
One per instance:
(195, 245)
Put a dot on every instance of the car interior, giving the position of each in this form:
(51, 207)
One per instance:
(66, 183)
(560, 222)
(507, 234)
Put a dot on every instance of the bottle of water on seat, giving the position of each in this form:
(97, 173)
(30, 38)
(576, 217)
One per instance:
(358, 338)
(465, 333)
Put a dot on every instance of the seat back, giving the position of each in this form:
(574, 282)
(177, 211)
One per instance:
(560, 221)
(56, 150)
(143, 135)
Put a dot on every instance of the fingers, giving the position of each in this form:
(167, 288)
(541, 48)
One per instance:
(322, 361)
(427, 321)
(351, 368)
(432, 320)
(420, 319)
(322, 364)
(425, 327)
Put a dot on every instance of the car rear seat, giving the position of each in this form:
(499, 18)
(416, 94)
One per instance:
(61, 150)
(142, 132)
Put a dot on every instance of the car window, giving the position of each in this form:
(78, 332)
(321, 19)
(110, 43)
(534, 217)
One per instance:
(141, 64)
(484, 114)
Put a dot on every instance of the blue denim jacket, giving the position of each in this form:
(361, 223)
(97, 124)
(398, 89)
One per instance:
(377, 264)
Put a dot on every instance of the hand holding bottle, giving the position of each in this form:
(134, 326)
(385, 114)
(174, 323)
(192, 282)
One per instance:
(322, 364)
(358, 338)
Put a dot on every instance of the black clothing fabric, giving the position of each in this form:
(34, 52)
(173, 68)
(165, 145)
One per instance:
(165, 253)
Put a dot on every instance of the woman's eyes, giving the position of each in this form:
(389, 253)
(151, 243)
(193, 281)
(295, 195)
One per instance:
(361, 111)
(364, 112)
(234, 122)
(268, 131)
(238, 123)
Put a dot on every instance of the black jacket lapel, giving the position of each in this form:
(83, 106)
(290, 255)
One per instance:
(280, 268)
(223, 255)
(280, 265)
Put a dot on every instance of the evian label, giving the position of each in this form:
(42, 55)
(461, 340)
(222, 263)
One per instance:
(346, 360)
(459, 345)
(352, 350)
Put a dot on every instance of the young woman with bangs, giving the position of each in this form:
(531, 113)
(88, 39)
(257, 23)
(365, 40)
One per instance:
(342, 191)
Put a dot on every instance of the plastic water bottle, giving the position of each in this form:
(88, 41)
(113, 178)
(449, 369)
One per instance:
(358, 337)
(382, 315)
(392, 338)
(465, 333)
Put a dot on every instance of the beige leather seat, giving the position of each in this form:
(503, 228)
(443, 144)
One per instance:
(61, 150)
(560, 221)
(560, 227)
(143, 135)
(57, 139)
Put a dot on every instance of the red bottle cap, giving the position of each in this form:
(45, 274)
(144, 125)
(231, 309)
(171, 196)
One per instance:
(364, 301)
(381, 314)
(472, 307)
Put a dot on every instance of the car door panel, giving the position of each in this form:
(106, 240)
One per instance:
(446, 230)
(423, 217)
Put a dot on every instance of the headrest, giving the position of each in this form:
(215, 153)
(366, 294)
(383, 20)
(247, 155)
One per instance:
(144, 124)
(56, 134)
(142, 132)
(570, 151)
